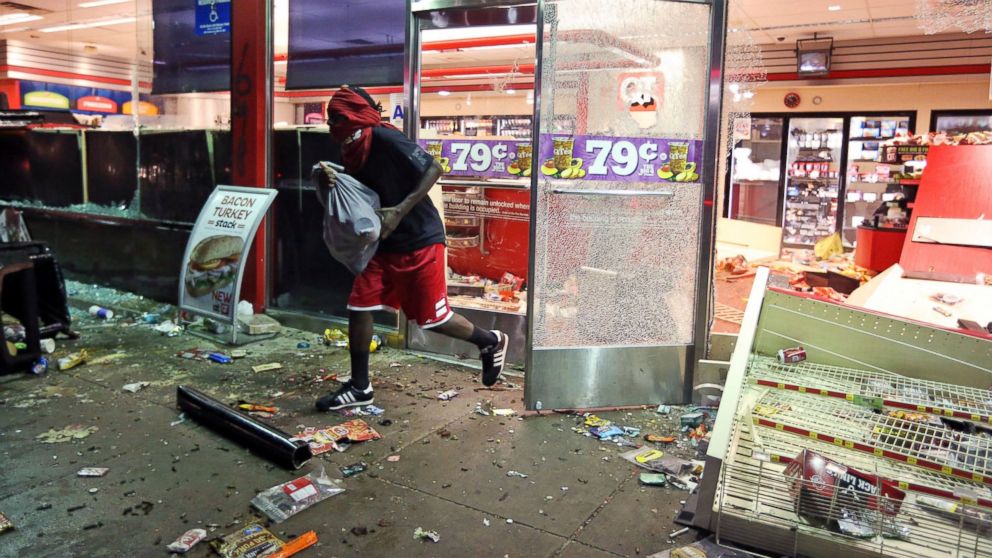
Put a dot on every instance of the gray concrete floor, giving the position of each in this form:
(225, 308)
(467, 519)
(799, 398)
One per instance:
(580, 499)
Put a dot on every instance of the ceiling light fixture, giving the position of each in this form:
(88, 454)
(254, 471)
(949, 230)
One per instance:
(98, 23)
(97, 3)
(834, 8)
(18, 17)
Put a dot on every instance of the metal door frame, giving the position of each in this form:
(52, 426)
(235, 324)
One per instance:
(682, 357)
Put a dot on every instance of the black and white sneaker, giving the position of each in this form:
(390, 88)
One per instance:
(493, 359)
(347, 396)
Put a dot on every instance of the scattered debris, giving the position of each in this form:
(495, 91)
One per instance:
(285, 500)
(303, 345)
(252, 408)
(304, 541)
(220, 358)
(335, 338)
(447, 395)
(359, 531)
(354, 469)
(239, 353)
(420, 534)
(705, 548)
(504, 412)
(485, 521)
(692, 420)
(135, 387)
(48, 345)
(681, 531)
(92, 472)
(67, 434)
(187, 540)
(393, 458)
(653, 479)
(73, 360)
(169, 329)
(659, 439)
(5, 524)
(180, 420)
(664, 409)
(516, 474)
(266, 367)
(509, 521)
(253, 540)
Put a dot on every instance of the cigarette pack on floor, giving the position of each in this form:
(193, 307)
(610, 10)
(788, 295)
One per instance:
(822, 487)
(285, 500)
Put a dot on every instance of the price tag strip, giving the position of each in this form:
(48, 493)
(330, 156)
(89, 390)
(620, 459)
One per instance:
(874, 389)
(849, 426)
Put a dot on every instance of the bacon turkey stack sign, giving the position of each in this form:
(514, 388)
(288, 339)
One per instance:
(210, 280)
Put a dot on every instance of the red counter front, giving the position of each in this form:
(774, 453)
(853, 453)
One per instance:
(878, 249)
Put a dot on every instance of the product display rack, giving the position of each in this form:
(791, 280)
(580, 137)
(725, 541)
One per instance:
(856, 403)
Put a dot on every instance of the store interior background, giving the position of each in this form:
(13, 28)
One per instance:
(884, 61)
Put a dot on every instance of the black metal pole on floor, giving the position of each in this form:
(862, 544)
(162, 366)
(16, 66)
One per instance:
(265, 440)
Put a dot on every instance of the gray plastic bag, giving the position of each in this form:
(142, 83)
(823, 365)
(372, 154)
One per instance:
(351, 224)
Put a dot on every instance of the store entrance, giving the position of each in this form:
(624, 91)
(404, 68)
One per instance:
(472, 109)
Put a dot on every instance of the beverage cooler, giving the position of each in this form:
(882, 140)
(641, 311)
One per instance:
(813, 174)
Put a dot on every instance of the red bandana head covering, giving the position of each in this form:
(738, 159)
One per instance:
(352, 118)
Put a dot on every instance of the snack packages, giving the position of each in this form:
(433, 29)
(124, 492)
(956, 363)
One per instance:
(825, 489)
(351, 224)
(253, 541)
(285, 500)
(354, 431)
(187, 540)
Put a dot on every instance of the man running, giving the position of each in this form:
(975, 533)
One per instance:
(408, 271)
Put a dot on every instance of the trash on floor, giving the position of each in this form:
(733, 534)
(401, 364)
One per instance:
(594, 421)
(659, 439)
(266, 367)
(220, 358)
(303, 542)
(239, 353)
(92, 471)
(421, 535)
(285, 500)
(67, 434)
(692, 420)
(653, 479)
(169, 329)
(105, 359)
(368, 410)
(655, 460)
(6, 524)
(303, 345)
(247, 542)
(504, 412)
(186, 541)
(264, 439)
(447, 395)
(73, 360)
(664, 409)
(516, 474)
(337, 437)
(393, 458)
(320, 440)
(253, 408)
(335, 338)
(48, 345)
(135, 387)
(354, 469)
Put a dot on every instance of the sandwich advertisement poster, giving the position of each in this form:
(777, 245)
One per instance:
(210, 280)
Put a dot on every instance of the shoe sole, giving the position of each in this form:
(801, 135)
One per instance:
(498, 355)
(346, 405)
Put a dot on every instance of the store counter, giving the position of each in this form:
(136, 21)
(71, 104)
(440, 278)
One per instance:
(879, 248)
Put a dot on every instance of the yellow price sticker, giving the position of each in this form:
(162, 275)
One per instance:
(976, 418)
(813, 435)
(989, 419)
(977, 478)
(824, 392)
(948, 413)
(946, 469)
(849, 445)
(755, 420)
(911, 460)
(921, 408)
(903, 485)
(802, 389)
(776, 458)
(779, 427)
(879, 452)
(838, 442)
(780, 385)
(849, 397)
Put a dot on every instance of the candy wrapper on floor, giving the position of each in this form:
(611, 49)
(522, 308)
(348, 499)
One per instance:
(253, 541)
(285, 500)
(706, 548)
(5, 524)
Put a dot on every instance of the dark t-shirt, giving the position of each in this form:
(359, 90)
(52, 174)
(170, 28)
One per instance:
(393, 169)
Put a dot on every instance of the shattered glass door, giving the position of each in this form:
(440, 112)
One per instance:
(618, 200)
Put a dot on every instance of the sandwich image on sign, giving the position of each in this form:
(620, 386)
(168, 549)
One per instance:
(213, 264)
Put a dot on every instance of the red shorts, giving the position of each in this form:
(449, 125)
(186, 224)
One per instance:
(413, 281)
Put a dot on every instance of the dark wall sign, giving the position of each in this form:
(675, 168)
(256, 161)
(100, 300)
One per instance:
(355, 42)
(187, 60)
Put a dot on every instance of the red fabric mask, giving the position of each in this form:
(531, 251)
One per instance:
(349, 112)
